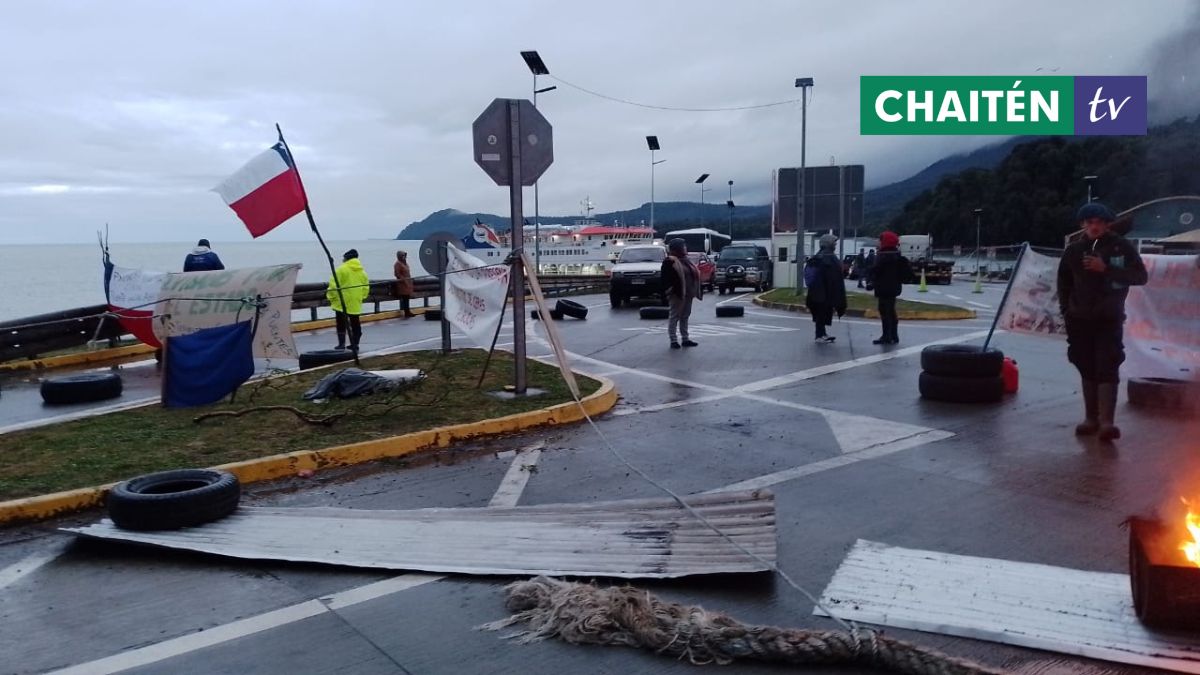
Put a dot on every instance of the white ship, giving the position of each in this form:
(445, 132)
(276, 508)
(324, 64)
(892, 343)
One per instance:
(586, 246)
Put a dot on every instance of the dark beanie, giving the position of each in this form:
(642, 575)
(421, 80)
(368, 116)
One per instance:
(1095, 210)
(352, 253)
(203, 242)
(677, 245)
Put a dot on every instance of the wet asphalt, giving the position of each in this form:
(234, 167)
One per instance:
(1010, 481)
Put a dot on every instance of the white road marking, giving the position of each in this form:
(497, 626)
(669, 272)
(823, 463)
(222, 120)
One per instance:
(30, 564)
(794, 316)
(620, 412)
(734, 299)
(836, 462)
(978, 304)
(507, 494)
(953, 297)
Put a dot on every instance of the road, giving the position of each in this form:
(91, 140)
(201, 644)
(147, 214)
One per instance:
(836, 431)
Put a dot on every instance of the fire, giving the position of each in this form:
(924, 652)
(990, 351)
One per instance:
(1191, 549)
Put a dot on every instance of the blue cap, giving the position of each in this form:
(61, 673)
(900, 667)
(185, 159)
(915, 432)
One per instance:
(1095, 210)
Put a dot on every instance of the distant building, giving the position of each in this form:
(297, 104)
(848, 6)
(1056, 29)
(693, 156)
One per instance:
(1157, 220)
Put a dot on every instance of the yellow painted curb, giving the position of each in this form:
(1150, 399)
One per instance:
(278, 466)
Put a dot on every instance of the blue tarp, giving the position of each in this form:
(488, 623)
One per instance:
(207, 365)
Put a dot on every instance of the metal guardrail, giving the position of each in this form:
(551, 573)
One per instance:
(39, 335)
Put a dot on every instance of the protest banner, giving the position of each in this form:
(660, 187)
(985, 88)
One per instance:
(1162, 326)
(1031, 305)
(475, 293)
(191, 301)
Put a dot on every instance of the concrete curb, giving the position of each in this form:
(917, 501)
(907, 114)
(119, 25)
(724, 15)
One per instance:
(116, 354)
(904, 314)
(278, 466)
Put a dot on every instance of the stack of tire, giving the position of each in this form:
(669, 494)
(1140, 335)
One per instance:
(961, 374)
(1160, 393)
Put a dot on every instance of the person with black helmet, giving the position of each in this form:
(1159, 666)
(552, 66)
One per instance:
(354, 286)
(202, 259)
(1094, 277)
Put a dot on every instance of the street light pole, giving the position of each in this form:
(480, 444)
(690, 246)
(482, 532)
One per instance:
(700, 182)
(537, 67)
(978, 251)
(841, 212)
(652, 143)
(730, 203)
(1089, 180)
(803, 83)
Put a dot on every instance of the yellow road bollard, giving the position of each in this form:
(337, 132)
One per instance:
(924, 288)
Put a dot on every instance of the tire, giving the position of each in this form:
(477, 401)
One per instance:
(614, 300)
(654, 312)
(556, 315)
(572, 309)
(1150, 601)
(730, 311)
(433, 314)
(961, 361)
(172, 499)
(83, 388)
(961, 389)
(533, 314)
(1163, 393)
(324, 357)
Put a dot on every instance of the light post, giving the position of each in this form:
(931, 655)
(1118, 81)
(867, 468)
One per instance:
(978, 251)
(1089, 180)
(730, 205)
(700, 181)
(652, 143)
(803, 83)
(854, 222)
(537, 67)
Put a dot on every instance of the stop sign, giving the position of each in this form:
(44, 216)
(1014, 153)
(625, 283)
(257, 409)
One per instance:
(493, 131)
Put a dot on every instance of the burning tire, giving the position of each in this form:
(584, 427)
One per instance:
(324, 357)
(433, 314)
(572, 309)
(654, 313)
(81, 388)
(172, 499)
(1163, 393)
(961, 389)
(730, 311)
(961, 361)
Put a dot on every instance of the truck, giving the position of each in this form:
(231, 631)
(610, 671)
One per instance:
(918, 248)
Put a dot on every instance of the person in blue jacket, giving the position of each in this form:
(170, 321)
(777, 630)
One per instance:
(202, 259)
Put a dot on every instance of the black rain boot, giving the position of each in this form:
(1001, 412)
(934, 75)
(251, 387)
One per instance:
(1106, 398)
(1091, 411)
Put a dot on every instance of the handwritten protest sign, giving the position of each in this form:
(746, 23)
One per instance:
(190, 301)
(475, 295)
(1032, 302)
(1162, 329)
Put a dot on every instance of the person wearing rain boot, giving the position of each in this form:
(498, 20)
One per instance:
(1094, 277)
(355, 286)
(886, 278)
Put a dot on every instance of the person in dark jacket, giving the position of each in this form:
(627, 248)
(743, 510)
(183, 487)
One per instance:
(887, 277)
(681, 279)
(860, 267)
(1094, 277)
(202, 259)
(826, 292)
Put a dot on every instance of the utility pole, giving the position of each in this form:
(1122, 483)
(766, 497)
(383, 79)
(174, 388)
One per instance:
(803, 83)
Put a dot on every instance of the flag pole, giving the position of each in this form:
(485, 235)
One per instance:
(1011, 278)
(313, 224)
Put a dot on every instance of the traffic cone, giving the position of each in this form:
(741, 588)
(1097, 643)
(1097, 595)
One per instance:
(923, 287)
(978, 284)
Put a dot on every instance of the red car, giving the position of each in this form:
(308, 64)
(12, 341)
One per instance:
(708, 270)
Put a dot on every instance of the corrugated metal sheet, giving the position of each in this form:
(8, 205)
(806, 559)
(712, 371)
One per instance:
(650, 538)
(1053, 608)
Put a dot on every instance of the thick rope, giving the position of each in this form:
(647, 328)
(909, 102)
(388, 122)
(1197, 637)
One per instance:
(629, 617)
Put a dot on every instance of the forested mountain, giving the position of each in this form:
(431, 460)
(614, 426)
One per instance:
(1032, 195)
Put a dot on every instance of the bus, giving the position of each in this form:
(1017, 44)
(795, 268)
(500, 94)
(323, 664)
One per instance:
(700, 239)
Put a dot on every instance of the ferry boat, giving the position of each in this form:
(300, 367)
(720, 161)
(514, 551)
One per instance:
(586, 246)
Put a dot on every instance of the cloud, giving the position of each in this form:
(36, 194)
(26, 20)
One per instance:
(139, 107)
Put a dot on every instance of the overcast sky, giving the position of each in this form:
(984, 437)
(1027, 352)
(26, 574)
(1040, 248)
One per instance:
(127, 113)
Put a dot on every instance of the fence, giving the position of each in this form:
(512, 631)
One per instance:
(39, 335)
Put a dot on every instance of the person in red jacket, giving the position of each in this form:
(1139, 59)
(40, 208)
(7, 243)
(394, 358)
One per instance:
(1094, 277)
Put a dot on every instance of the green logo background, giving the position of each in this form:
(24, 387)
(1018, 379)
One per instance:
(871, 86)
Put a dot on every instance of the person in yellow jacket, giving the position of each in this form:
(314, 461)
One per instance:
(355, 286)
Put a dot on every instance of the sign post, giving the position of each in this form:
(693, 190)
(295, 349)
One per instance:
(434, 258)
(513, 145)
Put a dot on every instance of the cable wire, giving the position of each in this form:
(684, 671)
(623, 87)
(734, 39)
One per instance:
(615, 99)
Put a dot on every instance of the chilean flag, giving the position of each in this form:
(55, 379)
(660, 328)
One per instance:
(133, 295)
(266, 191)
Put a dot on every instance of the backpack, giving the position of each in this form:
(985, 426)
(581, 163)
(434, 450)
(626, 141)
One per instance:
(812, 274)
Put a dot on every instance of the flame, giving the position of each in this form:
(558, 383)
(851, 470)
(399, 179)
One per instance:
(1191, 549)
